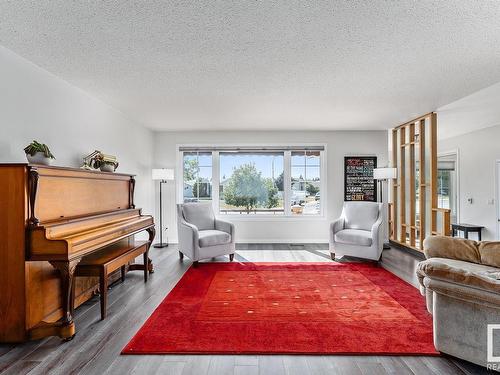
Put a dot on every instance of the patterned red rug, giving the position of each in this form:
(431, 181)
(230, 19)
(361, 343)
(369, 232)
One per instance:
(298, 308)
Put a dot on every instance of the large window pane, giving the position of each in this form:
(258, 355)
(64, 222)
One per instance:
(251, 183)
(197, 177)
(305, 183)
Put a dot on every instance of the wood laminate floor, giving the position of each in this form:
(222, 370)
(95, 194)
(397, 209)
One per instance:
(96, 347)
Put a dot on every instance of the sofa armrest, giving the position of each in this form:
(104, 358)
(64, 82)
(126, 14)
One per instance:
(225, 226)
(452, 248)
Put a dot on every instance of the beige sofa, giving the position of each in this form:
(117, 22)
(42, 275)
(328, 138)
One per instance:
(461, 281)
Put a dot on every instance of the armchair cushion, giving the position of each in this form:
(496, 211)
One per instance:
(199, 214)
(360, 215)
(354, 237)
(213, 237)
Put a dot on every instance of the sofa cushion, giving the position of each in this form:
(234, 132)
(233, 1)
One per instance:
(354, 237)
(451, 248)
(199, 214)
(490, 253)
(459, 272)
(213, 237)
(360, 215)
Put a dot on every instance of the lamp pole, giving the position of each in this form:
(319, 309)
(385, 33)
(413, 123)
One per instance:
(161, 244)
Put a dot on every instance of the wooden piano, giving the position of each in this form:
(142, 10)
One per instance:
(50, 218)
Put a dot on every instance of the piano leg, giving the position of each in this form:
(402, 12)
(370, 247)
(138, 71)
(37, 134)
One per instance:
(152, 234)
(67, 273)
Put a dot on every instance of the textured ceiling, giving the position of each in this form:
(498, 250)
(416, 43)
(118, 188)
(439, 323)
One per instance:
(263, 65)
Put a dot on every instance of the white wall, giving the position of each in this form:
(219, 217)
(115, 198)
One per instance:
(472, 125)
(35, 104)
(339, 144)
(478, 152)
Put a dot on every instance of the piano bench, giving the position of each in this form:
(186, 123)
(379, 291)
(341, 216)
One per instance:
(109, 259)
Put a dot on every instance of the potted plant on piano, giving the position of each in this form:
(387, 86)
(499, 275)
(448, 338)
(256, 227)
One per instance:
(106, 163)
(38, 153)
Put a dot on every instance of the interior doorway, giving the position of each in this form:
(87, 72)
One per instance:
(448, 183)
(497, 198)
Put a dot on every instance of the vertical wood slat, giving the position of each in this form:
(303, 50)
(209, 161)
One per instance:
(395, 147)
(412, 184)
(422, 185)
(402, 185)
(433, 170)
(446, 223)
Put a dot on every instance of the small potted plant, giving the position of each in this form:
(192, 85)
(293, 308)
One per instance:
(108, 166)
(106, 163)
(38, 153)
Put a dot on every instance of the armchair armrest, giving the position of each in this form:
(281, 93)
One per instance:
(377, 235)
(225, 226)
(335, 227)
(188, 238)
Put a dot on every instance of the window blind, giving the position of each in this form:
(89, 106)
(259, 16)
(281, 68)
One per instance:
(249, 148)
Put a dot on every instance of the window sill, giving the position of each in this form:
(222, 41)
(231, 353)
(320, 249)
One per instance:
(264, 218)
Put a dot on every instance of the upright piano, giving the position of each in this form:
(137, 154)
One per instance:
(50, 218)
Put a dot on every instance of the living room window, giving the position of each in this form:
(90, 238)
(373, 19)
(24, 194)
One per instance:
(306, 182)
(285, 181)
(197, 176)
(251, 183)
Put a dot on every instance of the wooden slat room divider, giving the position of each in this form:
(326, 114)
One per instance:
(414, 212)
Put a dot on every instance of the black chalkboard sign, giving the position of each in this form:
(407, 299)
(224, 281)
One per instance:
(359, 184)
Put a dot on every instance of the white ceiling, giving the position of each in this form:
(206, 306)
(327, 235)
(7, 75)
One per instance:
(263, 65)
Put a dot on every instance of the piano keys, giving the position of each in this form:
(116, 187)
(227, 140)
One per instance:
(50, 218)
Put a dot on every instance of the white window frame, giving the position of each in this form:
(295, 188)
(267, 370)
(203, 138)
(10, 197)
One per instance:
(286, 177)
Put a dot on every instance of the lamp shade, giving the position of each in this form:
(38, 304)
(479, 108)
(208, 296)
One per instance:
(384, 173)
(163, 174)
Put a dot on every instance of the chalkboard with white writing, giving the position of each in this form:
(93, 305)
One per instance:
(359, 184)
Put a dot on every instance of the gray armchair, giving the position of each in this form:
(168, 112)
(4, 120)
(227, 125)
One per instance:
(201, 235)
(358, 232)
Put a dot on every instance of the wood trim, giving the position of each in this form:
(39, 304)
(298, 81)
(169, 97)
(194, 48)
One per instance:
(402, 186)
(422, 186)
(412, 185)
(423, 117)
(394, 185)
(433, 169)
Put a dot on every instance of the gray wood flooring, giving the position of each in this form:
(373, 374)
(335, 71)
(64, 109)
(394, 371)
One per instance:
(96, 347)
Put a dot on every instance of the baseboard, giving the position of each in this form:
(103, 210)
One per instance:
(415, 253)
(280, 241)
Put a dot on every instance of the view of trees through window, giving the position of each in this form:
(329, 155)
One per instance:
(249, 183)
(306, 182)
(197, 176)
(254, 182)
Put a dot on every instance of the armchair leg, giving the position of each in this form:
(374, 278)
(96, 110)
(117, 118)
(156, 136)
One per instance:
(231, 257)
(332, 255)
(195, 264)
(181, 255)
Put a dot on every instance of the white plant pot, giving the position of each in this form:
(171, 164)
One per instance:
(38, 158)
(107, 168)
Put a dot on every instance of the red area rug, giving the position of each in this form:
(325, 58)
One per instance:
(293, 308)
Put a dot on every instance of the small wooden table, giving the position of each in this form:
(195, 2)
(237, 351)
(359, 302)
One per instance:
(466, 228)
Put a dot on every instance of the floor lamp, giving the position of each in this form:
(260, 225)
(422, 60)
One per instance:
(163, 175)
(381, 175)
